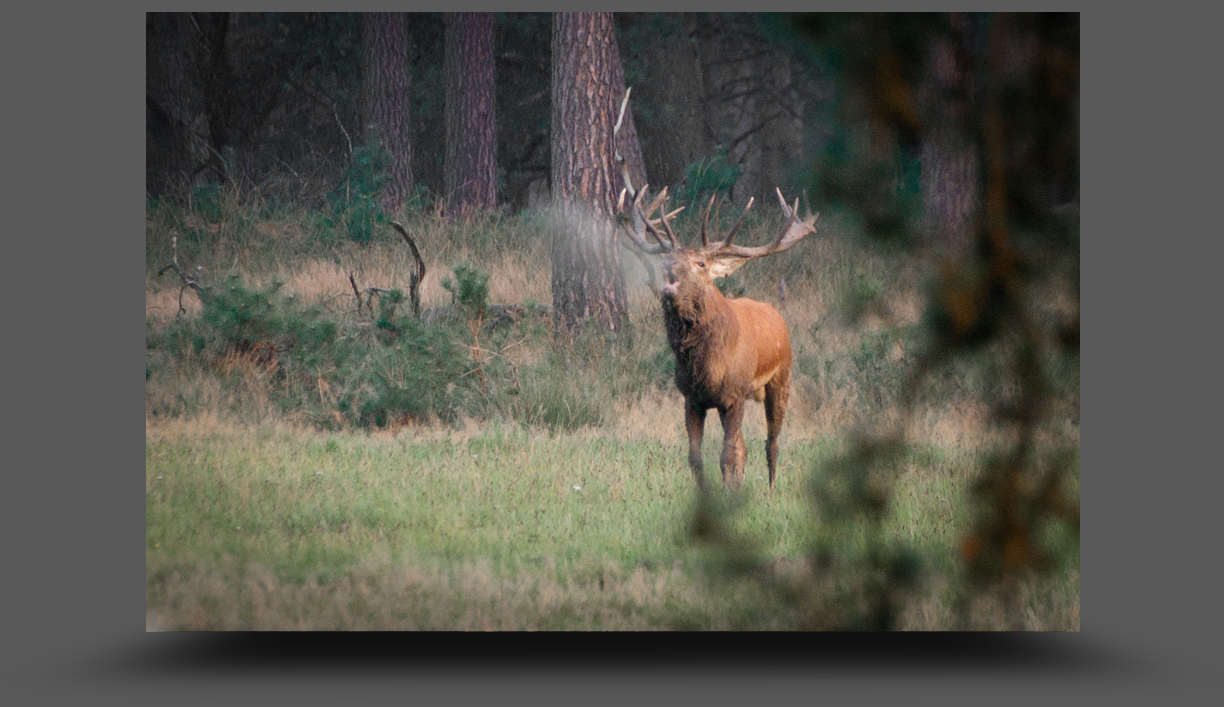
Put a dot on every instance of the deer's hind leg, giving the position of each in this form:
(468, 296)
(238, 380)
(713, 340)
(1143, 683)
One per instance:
(777, 393)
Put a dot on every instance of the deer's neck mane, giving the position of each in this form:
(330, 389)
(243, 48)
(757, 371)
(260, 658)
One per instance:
(698, 327)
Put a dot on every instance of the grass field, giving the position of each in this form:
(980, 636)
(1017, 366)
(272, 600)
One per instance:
(555, 494)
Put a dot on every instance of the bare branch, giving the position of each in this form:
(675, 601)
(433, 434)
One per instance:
(192, 281)
(624, 105)
(356, 292)
(346, 135)
(417, 276)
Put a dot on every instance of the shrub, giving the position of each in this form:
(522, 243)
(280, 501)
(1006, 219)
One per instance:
(237, 317)
(710, 174)
(355, 204)
(206, 199)
(420, 373)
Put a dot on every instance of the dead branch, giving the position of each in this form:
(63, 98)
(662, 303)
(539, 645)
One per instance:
(192, 281)
(356, 293)
(368, 293)
(416, 277)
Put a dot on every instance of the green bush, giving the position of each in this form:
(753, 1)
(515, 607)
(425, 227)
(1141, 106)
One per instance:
(206, 198)
(356, 206)
(469, 289)
(709, 175)
(237, 317)
(421, 373)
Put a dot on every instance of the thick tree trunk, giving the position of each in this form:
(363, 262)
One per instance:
(470, 167)
(386, 98)
(950, 162)
(173, 107)
(586, 282)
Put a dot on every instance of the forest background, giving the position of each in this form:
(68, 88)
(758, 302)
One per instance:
(935, 322)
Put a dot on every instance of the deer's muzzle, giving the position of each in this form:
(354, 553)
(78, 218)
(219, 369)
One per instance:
(670, 283)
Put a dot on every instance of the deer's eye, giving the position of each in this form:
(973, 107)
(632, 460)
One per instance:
(700, 264)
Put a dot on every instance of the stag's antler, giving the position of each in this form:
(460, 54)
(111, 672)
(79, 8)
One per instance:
(640, 222)
(794, 230)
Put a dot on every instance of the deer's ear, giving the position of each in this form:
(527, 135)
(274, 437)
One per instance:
(724, 266)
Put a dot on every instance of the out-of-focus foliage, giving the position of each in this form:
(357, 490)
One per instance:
(984, 108)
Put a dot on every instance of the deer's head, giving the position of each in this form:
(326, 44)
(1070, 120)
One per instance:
(689, 273)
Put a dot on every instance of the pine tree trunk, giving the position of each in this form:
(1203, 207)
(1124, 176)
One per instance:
(173, 105)
(386, 98)
(950, 162)
(470, 167)
(586, 278)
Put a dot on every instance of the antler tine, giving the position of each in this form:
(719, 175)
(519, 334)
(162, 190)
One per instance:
(792, 232)
(666, 219)
(624, 166)
(641, 194)
(663, 244)
(620, 200)
(639, 224)
(705, 241)
(658, 200)
(735, 229)
(643, 217)
(621, 117)
(786, 209)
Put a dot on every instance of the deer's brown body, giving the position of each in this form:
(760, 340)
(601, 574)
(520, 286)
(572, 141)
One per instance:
(728, 351)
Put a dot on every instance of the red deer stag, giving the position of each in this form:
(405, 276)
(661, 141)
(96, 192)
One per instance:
(727, 350)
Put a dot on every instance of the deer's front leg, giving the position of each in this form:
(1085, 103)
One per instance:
(734, 451)
(694, 424)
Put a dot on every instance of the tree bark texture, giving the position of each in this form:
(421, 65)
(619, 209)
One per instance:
(950, 162)
(386, 98)
(173, 106)
(470, 164)
(586, 278)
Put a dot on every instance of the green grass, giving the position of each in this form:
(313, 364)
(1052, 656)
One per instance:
(254, 528)
(311, 489)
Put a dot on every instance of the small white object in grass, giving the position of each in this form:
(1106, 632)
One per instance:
(160, 478)
(577, 488)
(318, 473)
